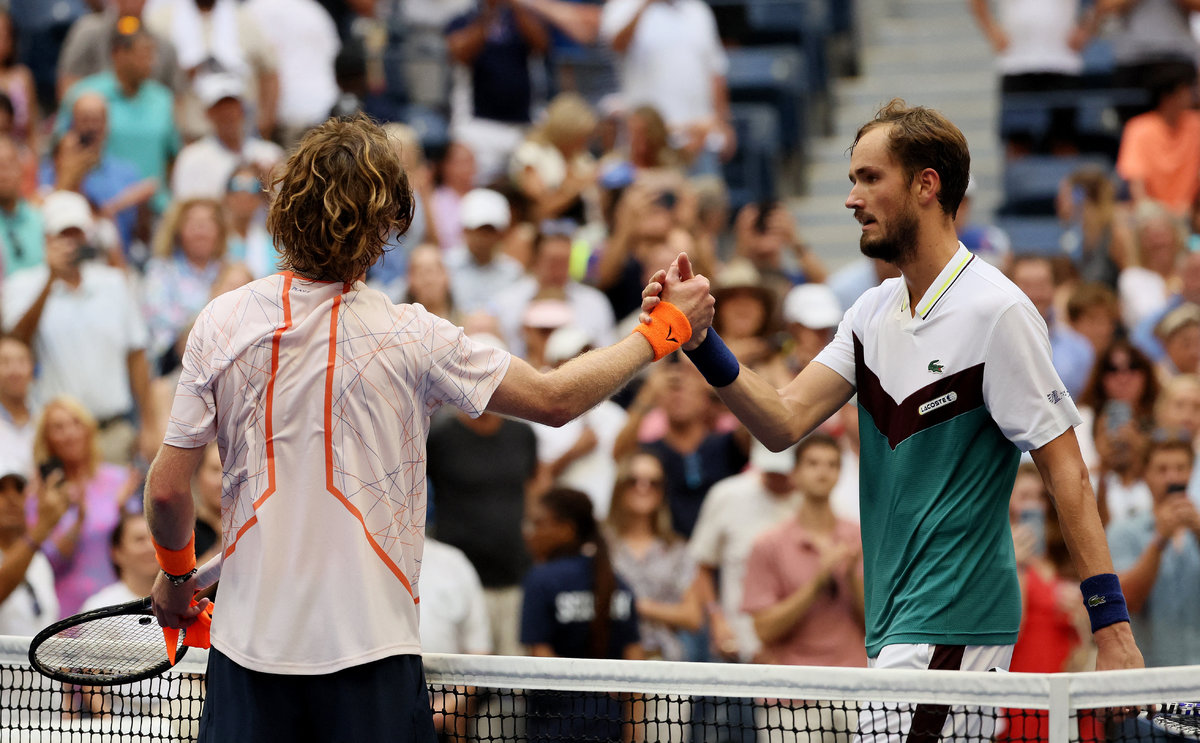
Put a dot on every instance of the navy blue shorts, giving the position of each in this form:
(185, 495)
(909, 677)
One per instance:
(379, 701)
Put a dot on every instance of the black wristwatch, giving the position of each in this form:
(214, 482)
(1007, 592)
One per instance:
(179, 580)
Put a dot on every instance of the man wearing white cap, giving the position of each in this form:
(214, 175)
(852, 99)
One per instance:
(482, 271)
(83, 322)
(204, 166)
(812, 312)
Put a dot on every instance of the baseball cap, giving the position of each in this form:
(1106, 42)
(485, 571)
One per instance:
(483, 207)
(547, 313)
(813, 306)
(64, 210)
(778, 462)
(217, 86)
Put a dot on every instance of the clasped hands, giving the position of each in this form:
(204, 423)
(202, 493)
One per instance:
(689, 292)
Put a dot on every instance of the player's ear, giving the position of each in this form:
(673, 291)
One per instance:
(927, 184)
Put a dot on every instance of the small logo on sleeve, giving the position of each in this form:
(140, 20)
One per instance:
(935, 367)
(932, 405)
(1057, 396)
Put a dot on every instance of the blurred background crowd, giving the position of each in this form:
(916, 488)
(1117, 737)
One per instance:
(561, 151)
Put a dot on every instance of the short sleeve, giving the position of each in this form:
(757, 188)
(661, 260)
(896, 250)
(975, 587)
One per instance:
(193, 421)
(762, 587)
(839, 353)
(537, 609)
(463, 372)
(1021, 389)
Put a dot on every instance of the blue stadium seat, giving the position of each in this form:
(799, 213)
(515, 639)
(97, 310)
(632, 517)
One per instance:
(1031, 183)
(1042, 235)
(807, 23)
(751, 174)
(776, 76)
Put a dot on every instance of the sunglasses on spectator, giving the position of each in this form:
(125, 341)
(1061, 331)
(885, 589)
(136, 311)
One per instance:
(244, 184)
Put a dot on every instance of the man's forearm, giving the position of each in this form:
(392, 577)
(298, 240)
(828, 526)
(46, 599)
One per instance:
(139, 386)
(26, 327)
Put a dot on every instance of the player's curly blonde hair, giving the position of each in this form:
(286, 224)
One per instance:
(337, 199)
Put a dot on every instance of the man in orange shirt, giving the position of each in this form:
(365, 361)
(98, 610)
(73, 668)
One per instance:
(1160, 149)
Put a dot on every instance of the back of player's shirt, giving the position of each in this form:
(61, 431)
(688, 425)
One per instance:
(319, 397)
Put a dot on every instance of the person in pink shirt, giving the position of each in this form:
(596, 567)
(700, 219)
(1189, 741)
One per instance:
(1160, 150)
(804, 584)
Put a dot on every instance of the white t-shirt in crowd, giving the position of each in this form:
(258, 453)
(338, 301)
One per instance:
(33, 604)
(319, 396)
(110, 595)
(454, 617)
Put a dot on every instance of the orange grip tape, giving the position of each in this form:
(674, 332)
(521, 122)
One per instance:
(196, 636)
(177, 562)
(667, 330)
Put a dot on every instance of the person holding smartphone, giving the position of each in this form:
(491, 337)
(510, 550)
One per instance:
(27, 598)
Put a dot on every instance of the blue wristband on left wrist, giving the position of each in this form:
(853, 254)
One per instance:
(1104, 600)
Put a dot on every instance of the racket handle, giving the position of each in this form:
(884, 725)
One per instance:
(208, 573)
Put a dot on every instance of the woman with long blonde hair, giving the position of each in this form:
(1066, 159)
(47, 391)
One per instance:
(553, 168)
(65, 440)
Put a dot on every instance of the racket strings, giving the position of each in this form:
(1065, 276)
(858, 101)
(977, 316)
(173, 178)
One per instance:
(105, 649)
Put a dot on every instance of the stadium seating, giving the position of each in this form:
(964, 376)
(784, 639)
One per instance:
(752, 173)
(1031, 183)
(1041, 235)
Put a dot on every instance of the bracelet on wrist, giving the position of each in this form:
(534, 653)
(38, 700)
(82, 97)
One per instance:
(1104, 600)
(179, 580)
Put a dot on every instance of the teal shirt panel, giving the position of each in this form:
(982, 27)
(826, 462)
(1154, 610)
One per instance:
(22, 238)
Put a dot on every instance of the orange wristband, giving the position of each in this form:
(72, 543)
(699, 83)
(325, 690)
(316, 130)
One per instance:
(668, 329)
(177, 562)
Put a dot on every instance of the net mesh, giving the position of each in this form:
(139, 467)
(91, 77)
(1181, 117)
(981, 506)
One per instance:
(487, 698)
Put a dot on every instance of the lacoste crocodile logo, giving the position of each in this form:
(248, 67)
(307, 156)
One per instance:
(935, 367)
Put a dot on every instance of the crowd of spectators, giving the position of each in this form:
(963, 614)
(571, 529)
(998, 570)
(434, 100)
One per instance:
(134, 173)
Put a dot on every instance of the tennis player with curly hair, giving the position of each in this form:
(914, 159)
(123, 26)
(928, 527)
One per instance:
(318, 392)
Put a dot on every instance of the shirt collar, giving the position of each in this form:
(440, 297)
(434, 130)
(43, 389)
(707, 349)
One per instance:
(941, 285)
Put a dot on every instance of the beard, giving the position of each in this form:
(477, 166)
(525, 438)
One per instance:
(898, 243)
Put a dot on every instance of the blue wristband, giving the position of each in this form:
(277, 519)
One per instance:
(714, 360)
(1104, 601)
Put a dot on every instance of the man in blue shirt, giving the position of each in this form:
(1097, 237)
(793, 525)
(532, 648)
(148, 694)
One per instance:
(22, 243)
(141, 123)
(1157, 556)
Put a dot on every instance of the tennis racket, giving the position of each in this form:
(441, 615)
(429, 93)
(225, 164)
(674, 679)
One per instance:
(111, 645)
(1181, 718)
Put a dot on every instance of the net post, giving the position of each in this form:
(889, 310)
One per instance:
(1060, 708)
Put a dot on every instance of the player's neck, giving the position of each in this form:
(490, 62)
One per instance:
(934, 250)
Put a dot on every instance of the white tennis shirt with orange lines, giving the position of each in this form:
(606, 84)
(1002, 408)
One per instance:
(319, 398)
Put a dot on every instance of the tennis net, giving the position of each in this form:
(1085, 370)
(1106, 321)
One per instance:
(491, 698)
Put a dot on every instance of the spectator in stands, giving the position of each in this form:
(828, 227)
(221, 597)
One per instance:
(649, 141)
(767, 235)
(426, 61)
(735, 512)
(1185, 291)
(429, 283)
(454, 616)
(389, 271)
(98, 493)
(75, 308)
(811, 314)
(672, 58)
(26, 158)
(455, 176)
(803, 585)
(1098, 241)
(27, 598)
(1037, 47)
(553, 168)
(1117, 409)
(203, 167)
(1150, 38)
(1094, 313)
(538, 320)
(1073, 356)
(88, 47)
(21, 230)
(141, 118)
(1157, 556)
(495, 42)
(131, 552)
(653, 558)
(550, 278)
(305, 43)
(575, 606)
(206, 494)
(246, 208)
(189, 251)
(987, 241)
(220, 36)
(578, 454)
(1144, 287)
(482, 471)
(746, 316)
(579, 65)
(17, 415)
(695, 455)
(1159, 154)
(41, 28)
(81, 163)
(16, 81)
(1179, 332)
(642, 220)
(1178, 410)
(480, 273)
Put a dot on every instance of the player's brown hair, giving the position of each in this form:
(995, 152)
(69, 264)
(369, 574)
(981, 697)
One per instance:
(920, 138)
(337, 199)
